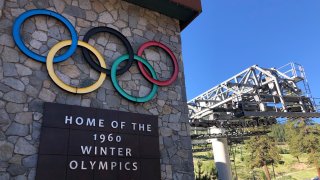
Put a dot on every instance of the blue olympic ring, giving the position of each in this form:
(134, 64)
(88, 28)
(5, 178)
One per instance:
(17, 36)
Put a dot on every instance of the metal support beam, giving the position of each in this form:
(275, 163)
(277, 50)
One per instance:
(258, 90)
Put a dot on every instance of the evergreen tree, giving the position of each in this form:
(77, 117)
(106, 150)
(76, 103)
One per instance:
(305, 137)
(263, 152)
(200, 171)
(293, 136)
(278, 132)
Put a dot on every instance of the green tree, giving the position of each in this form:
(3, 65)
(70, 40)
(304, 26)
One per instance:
(278, 132)
(305, 138)
(212, 172)
(263, 152)
(311, 144)
(200, 171)
(293, 136)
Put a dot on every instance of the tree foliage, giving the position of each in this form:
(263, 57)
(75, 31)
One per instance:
(263, 152)
(278, 132)
(293, 136)
(201, 175)
(304, 137)
(200, 171)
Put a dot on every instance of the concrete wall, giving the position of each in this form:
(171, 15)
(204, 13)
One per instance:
(25, 84)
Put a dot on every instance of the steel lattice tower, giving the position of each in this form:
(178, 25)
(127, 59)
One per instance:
(254, 97)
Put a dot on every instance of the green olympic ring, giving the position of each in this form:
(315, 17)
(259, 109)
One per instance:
(121, 91)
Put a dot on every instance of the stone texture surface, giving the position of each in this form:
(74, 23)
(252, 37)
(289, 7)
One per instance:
(25, 84)
(6, 150)
(23, 147)
(17, 129)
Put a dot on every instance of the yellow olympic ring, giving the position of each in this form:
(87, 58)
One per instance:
(65, 86)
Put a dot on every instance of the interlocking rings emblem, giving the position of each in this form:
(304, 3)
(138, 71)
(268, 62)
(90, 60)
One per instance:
(144, 66)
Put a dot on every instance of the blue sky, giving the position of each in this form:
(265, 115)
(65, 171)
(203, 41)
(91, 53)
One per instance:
(231, 35)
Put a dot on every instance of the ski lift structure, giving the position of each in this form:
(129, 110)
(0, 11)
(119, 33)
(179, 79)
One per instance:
(246, 105)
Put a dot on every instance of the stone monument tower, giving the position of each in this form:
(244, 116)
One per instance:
(54, 111)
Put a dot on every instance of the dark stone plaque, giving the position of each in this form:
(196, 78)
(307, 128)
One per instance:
(87, 143)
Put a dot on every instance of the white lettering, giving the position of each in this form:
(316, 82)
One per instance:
(122, 124)
(112, 150)
(135, 166)
(134, 126)
(128, 152)
(103, 165)
(82, 166)
(120, 165)
(101, 122)
(103, 151)
(113, 164)
(141, 127)
(68, 120)
(73, 165)
(126, 166)
(92, 163)
(114, 124)
(91, 122)
(79, 121)
(120, 153)
(86, 149)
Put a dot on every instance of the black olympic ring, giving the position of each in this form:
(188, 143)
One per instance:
(94, 64)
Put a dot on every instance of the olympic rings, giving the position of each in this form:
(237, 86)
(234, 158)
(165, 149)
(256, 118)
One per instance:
(121, 91)
(59, 82)
(17, 37)
(124, 40)
(148, 73)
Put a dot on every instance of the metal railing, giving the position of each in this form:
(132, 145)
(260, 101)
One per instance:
(293, 71)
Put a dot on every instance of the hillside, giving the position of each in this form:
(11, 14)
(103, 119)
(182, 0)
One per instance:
(288, 169)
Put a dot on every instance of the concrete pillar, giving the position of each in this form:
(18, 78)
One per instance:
(221, 155)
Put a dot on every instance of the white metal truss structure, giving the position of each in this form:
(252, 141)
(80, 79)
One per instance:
(240, 106)
(255, 94)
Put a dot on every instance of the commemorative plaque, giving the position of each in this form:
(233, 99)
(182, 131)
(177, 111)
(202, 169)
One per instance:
(87, 143)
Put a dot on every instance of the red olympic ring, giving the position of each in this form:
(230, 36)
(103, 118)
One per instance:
(147, 75)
